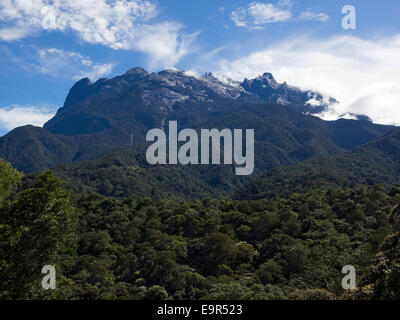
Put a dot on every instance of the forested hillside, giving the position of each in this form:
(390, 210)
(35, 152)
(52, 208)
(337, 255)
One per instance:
(377, 162)
(127, 174)
(285, 248)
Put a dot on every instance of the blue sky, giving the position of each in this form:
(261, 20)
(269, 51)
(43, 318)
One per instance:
(46, 46)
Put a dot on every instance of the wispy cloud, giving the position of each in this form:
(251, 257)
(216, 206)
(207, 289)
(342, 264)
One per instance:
(258, 14)
(362, 74)
(58, 63)
(163, 44)
(14, 33)
(313, 15)
(119, 24)
(16, 116)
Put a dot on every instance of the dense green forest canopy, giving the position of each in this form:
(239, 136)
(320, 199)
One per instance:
(291, 247)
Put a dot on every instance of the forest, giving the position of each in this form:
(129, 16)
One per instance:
(138, 248)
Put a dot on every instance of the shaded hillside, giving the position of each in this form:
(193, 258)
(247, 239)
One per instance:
(127, 174)
(283, 136)
(377, 162)
(34, 149)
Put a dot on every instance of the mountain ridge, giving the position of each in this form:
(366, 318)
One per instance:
(374, 163)
(110, 114)
(175, 83)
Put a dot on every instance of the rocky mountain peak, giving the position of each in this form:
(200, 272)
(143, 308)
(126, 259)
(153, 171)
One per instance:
(78, 92)
(170, 87)
(137, 71)
(269, 79)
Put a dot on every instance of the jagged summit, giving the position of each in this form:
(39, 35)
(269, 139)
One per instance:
(269, 78)
(138, 71)
(169, 88)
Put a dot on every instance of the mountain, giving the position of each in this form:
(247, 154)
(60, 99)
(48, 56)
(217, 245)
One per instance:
(283, 136)
(110, 114)
(33, 149)
(144, 100)
(267, 89)
(376, 162)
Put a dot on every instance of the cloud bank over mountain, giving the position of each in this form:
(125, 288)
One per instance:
(361, 74)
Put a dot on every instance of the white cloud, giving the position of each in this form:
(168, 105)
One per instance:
(61, 63)
(258, 14)
(17, 116)
(362, 74)
(163, 44)
(95, 21)
(119, 24)
(13, 33)
(58, 63)
(312, 15)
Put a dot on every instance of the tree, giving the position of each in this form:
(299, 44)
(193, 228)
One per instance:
(270, 272)
(9, 179)
(383, 279)
(220, 250)
(35, 225)
(156, 293)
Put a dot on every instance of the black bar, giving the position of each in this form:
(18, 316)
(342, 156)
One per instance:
(149, 310)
